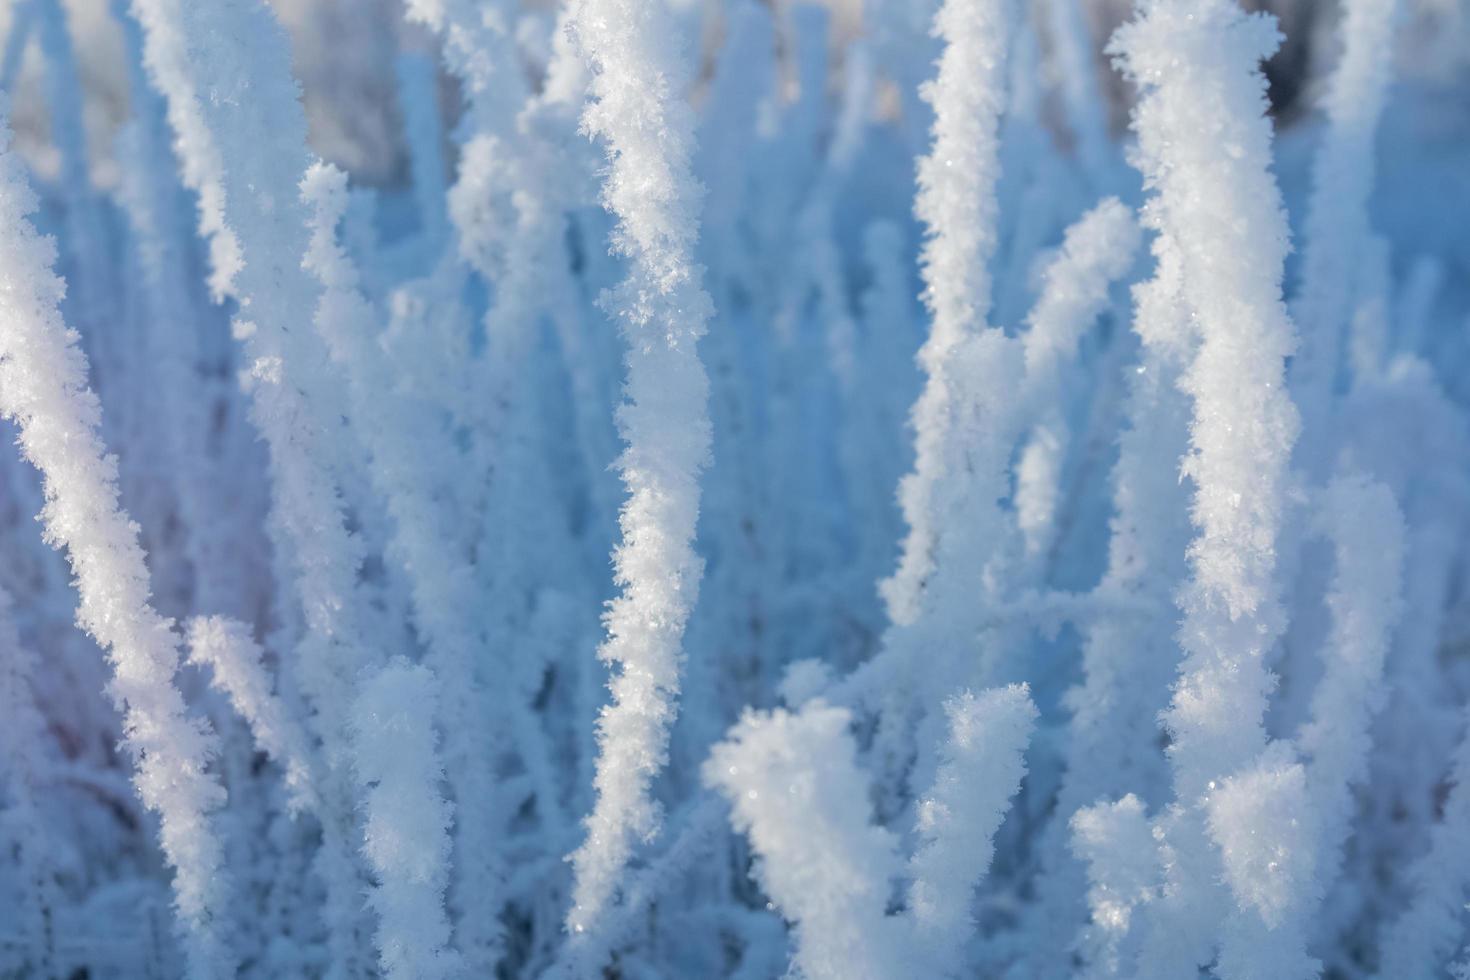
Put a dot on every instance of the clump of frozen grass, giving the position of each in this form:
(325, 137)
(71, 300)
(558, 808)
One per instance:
(432, 372)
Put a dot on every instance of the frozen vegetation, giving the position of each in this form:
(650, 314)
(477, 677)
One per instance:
(642, 489)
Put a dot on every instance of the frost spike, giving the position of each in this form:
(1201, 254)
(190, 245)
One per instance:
(1223, 217)
(637, 107)
(980, 770)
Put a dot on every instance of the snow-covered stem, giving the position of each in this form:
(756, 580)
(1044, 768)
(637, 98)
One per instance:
(1363, 522)
(956, 202)
(969, 422)
(1097, 250)
(980, 770)
(1117, 844)
(1265, 824)
(238, 670)
(257, 230)
(638, 109)
(479, 49)
(695, 835)
(1338, 238)
(406, 826)
(43, 389)
(1038, 485)
(1426, 934)
(1128, 660)
(1232, 243)
(1198, 68)
(155, 205)
(795, 788)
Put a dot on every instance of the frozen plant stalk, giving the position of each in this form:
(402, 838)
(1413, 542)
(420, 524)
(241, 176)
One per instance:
(43, 389)
(1339, 239)
(797, 791)
(1204, 147)
(1198, 66)
(406, 834)
(638, 108)
(957, 203)
(237, 670)
(980, 770)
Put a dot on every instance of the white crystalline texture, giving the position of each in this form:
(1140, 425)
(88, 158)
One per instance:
(1095, 253)
(980, 771)
(406, 833)
(1117, 843)
(1263, 824)
(663, 311)
(236, 668)
(43, 389)
(660, 488)
(794, 786)
(956, 202)
(1204, 146)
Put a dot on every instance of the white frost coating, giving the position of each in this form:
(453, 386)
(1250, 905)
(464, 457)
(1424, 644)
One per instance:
(968, 421)
(406, 833)
(1263, 822)
(167, 54)
(1198, 68)
(638, 107)
(43, 389)
(1204, 148)
(980, 771)
(238, 670)
(1098, 249)
(1128, 661)
(956, 202)
(1117, 844)
(1338, 247)
(1038, 484)
(477, 46)
(225, 71)
(797, 791)
(149, 193)
(1363, 522)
